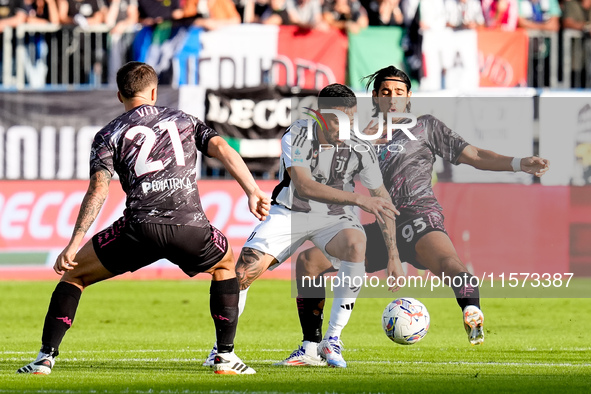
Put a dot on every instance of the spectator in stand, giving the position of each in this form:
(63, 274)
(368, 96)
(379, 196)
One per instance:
(346, 15)
(436, 36)
(539, 15)
(121, 16)
(577, 15)
(384, 13)
(252, 10)
(464, 14)
(500, 14)
(12, 13)
(276, 13)
(81, 12)
(42, 11)
(212, 14)
(153, 12)
(307, 14)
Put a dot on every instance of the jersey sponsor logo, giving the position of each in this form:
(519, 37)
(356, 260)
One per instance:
(167, 184)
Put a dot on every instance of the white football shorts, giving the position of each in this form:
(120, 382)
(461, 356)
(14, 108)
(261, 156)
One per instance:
(284, 231)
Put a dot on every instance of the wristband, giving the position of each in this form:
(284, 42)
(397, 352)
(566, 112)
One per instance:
(516, 164)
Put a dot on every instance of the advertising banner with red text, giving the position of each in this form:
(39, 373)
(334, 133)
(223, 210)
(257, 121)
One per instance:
(37, 218)
(311, 59)
(502, 57)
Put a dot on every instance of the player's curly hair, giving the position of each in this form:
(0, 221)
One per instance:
(134, 77)
(336, 95)
(375, 80)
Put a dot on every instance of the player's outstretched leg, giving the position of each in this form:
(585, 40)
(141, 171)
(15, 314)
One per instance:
(468, 298)
(60, 314)
(224, 306)
(63, 306)
(436, 252)
(224, 311)
(345, 296)
(214, 350)
(310, 265)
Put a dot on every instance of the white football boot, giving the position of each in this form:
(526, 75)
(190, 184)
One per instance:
(330, 350)
(210, 359)
(230, 364)
(42, 364)
(299, 358)
(474, 324)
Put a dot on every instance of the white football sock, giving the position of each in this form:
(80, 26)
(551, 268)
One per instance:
(344, 296)
(242, 300)
(310, 348)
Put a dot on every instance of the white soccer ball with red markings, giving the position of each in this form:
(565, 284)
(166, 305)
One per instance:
(405, 321)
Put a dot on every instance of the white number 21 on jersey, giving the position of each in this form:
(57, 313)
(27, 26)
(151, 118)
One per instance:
(142, 166)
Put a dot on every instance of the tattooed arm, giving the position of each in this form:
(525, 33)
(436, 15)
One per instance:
(251, 264)
(89, 209)
(394, 268)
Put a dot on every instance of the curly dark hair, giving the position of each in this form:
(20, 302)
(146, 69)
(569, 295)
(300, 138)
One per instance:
(336, 95)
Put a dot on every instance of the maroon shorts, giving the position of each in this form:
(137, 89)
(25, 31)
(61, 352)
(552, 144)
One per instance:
(125, 246)
(410, 227)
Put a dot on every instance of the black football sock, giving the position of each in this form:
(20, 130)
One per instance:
(466, 289)
(60, 315)
(223, 304)
(310, 303)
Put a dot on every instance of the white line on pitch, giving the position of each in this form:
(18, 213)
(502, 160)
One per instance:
(492, 363)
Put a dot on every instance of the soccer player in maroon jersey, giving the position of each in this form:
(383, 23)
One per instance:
(407, 176)
(154, 151)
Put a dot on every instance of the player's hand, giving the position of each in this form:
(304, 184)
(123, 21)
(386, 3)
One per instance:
(259, 204)
(394, 271)
(378, 206)
(65, 260)
(535, 165)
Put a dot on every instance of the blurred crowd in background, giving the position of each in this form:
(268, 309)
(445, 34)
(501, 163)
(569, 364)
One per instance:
(416, 17)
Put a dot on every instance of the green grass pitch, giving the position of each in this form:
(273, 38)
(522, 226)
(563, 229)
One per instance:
(151, 337)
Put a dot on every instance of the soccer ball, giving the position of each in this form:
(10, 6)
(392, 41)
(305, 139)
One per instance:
(405, 321)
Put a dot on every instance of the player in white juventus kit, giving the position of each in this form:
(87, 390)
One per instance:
(313, 201)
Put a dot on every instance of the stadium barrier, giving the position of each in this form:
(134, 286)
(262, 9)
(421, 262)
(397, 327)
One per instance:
(577, 51)
(542, 59)
(38, 56)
